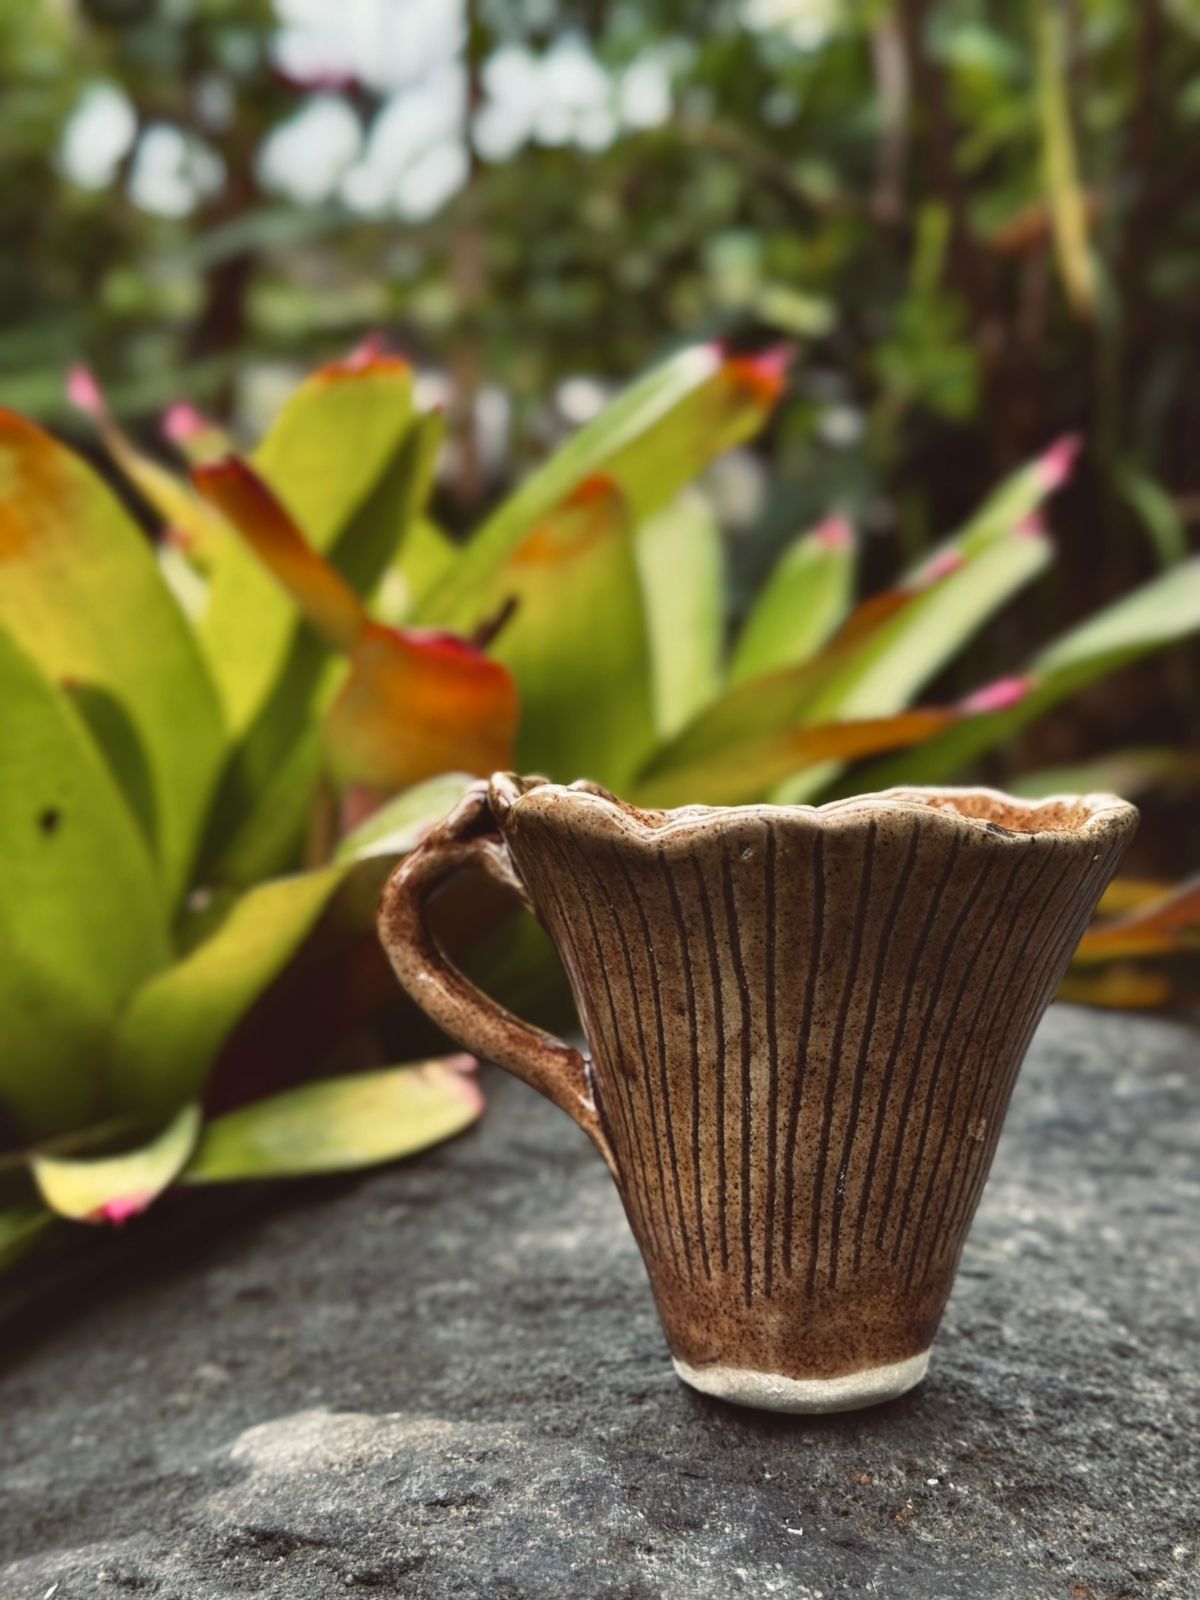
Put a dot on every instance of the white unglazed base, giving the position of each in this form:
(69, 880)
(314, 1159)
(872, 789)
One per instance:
(772, 1392)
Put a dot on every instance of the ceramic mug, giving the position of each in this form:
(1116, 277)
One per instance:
(803, 1026)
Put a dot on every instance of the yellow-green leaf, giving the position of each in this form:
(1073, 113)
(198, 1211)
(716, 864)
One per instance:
(802, 603)
(82, 918)
(577, 642)
(680, 561)
(176, 1024)
(115, 1188)
(81, 592)
(338, 1124)
(652, 441)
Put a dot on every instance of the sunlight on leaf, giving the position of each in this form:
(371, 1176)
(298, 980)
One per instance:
(115, 1188)
(340, 1124)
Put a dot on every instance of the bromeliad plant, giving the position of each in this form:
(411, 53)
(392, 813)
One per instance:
(206, 786)
(186, 911)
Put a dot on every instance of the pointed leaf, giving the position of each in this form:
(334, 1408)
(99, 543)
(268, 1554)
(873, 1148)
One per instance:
(1165, 925)
(576, 642)
(399, 826)
(651, 441)
(416, 704)
(21, 1227)
(191, 526)
(1067, 201)
(746, 770)
(802, 603)
(115, 1188)
(327, 450)
(321, 593)
(82, 919)
(176, 1024)
(1160, 613)
(339, 1125)
(681, 562)
(81, 592)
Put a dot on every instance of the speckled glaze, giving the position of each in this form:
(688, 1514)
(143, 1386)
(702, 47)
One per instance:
(804, 1025)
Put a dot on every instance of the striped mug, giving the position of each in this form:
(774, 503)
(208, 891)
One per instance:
(803, 1026)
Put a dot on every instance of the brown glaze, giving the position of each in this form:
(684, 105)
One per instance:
(804, 1026)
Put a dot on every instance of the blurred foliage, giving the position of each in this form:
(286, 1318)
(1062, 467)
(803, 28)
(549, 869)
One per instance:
(981, 225)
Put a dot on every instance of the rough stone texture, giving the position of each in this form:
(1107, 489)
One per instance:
(448, 1381)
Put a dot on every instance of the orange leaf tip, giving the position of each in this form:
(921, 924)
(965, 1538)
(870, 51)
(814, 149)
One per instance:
(84, 392)
(1057, 464)
(763, 374)
(998, 696)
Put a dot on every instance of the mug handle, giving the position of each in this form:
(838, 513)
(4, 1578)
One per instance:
(469, 837)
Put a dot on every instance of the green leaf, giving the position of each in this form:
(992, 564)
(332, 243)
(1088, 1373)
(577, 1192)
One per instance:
(81, 592)
(680, 562)
(577, 642)
(326, 452)
(114, 1188)
(20, 1229)
(1064, 193)
(1129, 773)
(175, 1026)
(802, 603)
(749, 766)
(309, 676)
(1162, 612)
(338, 1125)
(82, 919)
(425, 557)
(652, 441)
(896, 660)
(1158, 512)
(399, 826)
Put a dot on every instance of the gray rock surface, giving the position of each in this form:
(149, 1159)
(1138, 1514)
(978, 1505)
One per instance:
(447, 1380)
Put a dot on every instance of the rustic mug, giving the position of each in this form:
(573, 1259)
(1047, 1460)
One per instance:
(803, 1025)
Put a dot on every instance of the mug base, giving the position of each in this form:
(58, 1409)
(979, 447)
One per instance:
(770, 1391)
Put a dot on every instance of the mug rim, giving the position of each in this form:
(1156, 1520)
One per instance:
(1092, 815)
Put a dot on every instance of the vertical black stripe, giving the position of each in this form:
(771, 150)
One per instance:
(689, 978)
(800, 1075)
(931, 1087)
(745, 1045)
(857, 934)
(962, 1055)
(770, 939)
(618, 1068)
(882, 949)
(898, 1037)
(618, 928)
(714, 970)
(932, 997)
(663, 1077)
(996, 1013)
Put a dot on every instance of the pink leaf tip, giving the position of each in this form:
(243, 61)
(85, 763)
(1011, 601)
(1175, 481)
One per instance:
(998, 696)
(84, 392)
(462, 1063)
(366, 352)
(119, 1211)
(1034, 526)
(942, 565)
(835, 533)
(181, 423)
(1057, 463)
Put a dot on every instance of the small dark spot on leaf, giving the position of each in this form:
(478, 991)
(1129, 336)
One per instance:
(49, 820)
